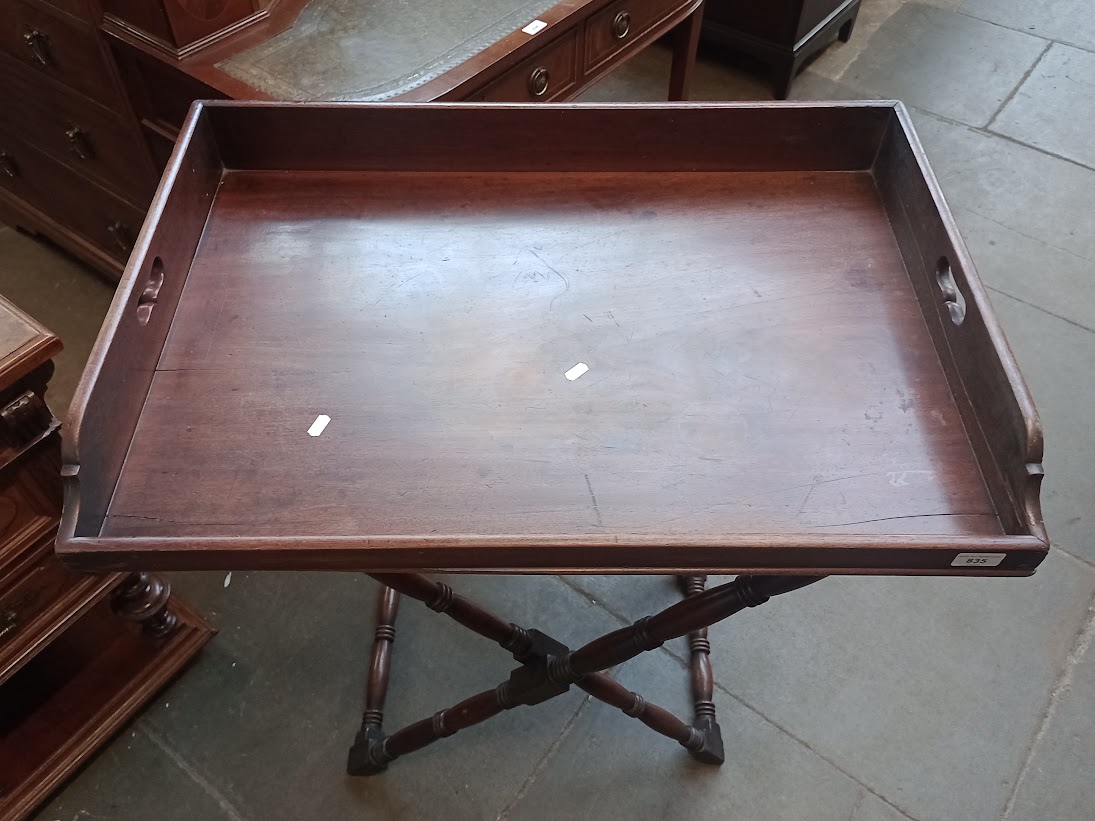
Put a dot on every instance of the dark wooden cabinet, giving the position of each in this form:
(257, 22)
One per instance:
(71, 671)
(74, 165)
(780, 34)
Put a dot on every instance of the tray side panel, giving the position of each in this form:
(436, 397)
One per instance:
(452, 137)
(994, 402)
(112, 391)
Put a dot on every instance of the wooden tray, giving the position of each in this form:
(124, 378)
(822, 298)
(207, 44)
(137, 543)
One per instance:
(792, 365)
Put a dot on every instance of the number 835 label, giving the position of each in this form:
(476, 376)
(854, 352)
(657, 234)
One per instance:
(978, 559)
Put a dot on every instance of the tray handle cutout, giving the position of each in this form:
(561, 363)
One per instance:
(151, 292)
(952, 296)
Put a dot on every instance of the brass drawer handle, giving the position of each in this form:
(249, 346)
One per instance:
(123, 237)
(8, 166)
(538, 82)
(80, 143)
(621, 25)
(38, 43)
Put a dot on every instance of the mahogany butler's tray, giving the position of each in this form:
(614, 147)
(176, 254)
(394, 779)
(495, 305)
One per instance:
(792, 366)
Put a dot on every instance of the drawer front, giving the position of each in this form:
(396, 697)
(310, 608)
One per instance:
(82, 134)
(547, 75)
(30, 504)
(73, 200)
(63, 49)
(608, 31)
(24, 515)
(33, 592)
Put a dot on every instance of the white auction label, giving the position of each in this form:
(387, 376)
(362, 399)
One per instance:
(576, 371)
(321, 422)
(978, 559)
(535, 27)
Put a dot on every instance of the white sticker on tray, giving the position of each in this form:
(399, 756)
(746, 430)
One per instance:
(322, 421)
(535, 27)
(978, 559)
(576, 371)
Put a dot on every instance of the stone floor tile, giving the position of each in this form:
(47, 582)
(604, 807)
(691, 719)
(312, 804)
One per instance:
(1056, 784)
(1067, 21)
(1040, 196)
(872, 808)
(1055, 106)
(928, 691)
(135, 777)
(946, 63)
(1030, 269)
(1055, 358)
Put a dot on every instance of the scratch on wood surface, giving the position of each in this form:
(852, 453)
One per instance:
(397, 286)
(566, 282)
(894, 518)
(592, 498)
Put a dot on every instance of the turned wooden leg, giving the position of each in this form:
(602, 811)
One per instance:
(703, 683)
(376, 686)
(686, 39)
(377, 753)
(440, 598)
(143, 598)
(651, 632)
(602, 688)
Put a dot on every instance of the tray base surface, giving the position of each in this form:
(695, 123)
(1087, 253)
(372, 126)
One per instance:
(757, 363)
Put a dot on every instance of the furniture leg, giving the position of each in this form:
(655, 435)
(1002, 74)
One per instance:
(783, 74)
(376, 686)
(700, 745)
(527, 685)
(143, 598)
(686, 38)
(845, 33)
(548, 667)
(703, 679)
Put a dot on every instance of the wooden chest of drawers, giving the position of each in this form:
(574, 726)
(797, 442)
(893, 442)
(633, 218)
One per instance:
(59, 47)
(73, 163)
(71, 671)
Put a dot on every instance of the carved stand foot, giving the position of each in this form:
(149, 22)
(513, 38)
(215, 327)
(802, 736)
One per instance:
(143, 598)
(711, 752)
(366, 755)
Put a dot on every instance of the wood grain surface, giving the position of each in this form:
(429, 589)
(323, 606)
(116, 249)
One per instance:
(757, 361)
